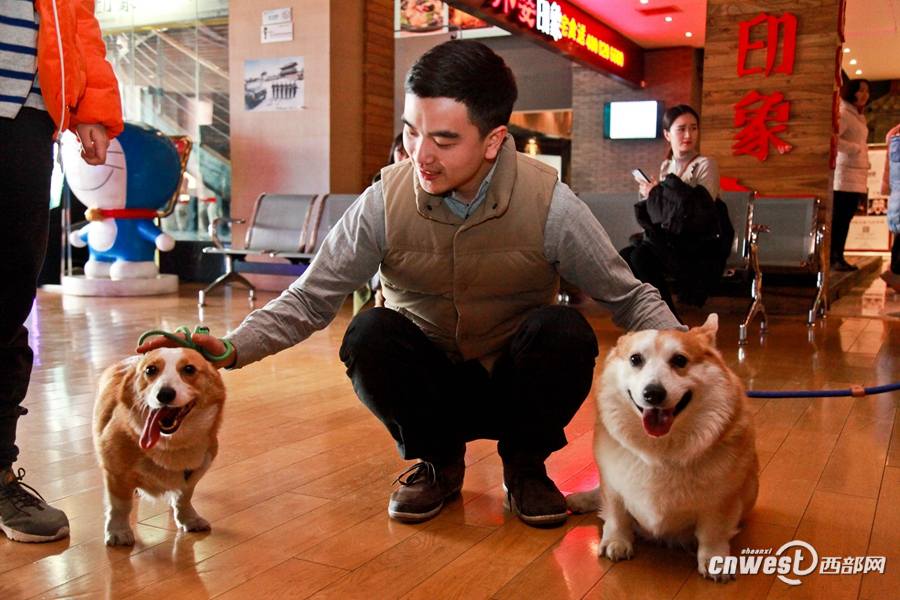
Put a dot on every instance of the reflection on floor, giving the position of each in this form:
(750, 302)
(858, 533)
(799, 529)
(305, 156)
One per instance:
(870, 297)
(297, 496)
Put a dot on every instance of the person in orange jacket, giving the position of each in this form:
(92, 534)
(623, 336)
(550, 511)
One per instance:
(53, 76)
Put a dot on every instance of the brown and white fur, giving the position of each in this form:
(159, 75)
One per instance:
(674, 444)
(155, 423)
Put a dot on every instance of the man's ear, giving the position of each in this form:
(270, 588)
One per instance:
(494, 141)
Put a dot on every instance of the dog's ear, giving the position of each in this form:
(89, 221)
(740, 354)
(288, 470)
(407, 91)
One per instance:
(211, 383)
(709, 328)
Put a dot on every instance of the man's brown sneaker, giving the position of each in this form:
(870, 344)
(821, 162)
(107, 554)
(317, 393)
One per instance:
(532, 495)
(423, 489)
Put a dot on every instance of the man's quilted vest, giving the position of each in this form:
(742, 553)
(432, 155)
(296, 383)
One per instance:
(469, 284)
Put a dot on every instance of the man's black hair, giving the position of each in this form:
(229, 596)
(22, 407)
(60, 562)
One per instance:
(468, 72)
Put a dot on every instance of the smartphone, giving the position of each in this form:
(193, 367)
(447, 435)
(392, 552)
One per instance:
(640, 176)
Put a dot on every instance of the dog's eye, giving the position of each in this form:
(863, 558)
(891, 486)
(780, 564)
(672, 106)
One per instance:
(679, 361)
(151, 371)
(636, 360)
(189, 369)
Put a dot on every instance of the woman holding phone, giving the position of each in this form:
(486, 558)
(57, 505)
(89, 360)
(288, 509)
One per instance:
(687, 234)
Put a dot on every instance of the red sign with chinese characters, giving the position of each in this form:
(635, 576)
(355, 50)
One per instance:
(761, 116)
(786, 24)
(566, 29)
(754, 113)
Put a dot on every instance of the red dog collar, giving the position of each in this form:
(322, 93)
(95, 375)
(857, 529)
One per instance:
(98, 214)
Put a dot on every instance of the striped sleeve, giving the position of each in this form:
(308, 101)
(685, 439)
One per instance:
(18, 58)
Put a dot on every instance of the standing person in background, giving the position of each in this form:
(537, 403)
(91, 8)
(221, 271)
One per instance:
(851, 169)
(890, 185)
(398, 152)
(687, 233)
(59, 42)
(373, 288)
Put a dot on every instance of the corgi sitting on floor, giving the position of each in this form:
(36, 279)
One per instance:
(674, 444)
(156, 418)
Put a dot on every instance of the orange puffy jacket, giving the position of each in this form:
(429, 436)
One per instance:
(78, 85)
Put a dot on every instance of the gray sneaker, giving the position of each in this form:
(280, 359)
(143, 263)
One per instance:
(24, 516)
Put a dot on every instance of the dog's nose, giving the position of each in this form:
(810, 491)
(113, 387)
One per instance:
(166, 395)
(654, 394)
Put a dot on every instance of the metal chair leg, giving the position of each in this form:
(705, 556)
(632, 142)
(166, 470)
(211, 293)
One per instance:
(756, 290)
(820, 304)
(229, 276)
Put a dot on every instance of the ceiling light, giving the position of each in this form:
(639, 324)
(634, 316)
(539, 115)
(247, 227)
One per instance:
(668, 19)
(852, 61)
(688, 34)
(859, 71)
(846, 50)
(645, 1)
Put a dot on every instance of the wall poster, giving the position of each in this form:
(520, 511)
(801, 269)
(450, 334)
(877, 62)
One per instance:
(273, 84)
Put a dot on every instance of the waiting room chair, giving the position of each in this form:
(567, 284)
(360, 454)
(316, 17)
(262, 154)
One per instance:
(278, 227)
(326, 212)
(616, 213)
(743, 260)
(794, 242)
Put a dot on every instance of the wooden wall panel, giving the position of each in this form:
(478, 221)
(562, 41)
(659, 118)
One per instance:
(362, 93)
(378, 85)
(805, 169)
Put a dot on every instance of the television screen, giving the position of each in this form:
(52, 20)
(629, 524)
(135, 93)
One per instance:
(638, 120)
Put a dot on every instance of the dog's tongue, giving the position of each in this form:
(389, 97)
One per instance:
(150, 434)
(658, 421)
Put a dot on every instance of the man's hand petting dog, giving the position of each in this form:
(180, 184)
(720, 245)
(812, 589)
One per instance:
(213, 346)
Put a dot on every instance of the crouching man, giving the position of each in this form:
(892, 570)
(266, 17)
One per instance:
(471, 239)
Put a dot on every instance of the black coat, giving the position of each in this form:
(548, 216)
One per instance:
(691, 230)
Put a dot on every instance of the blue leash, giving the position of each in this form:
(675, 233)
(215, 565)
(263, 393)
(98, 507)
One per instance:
(855, 391)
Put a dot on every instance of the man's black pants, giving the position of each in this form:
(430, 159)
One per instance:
(26, 161)
(432, 406)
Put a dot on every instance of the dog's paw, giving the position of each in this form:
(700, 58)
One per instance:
(195, 523)
(719, 577)
(616, 549)
(119, 537)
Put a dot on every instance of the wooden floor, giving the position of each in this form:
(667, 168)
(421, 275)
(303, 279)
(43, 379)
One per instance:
(298, 494)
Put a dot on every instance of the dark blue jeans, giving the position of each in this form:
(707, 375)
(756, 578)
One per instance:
(26, 161)
(432, 406)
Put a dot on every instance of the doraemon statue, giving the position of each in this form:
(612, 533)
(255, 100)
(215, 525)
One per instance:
(141, 174)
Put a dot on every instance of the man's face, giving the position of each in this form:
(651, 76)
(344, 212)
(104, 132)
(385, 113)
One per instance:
(446, 147)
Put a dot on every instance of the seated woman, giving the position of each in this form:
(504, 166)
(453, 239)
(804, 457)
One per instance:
(687, 234)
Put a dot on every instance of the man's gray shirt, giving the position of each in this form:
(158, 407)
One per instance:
(574, 243)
